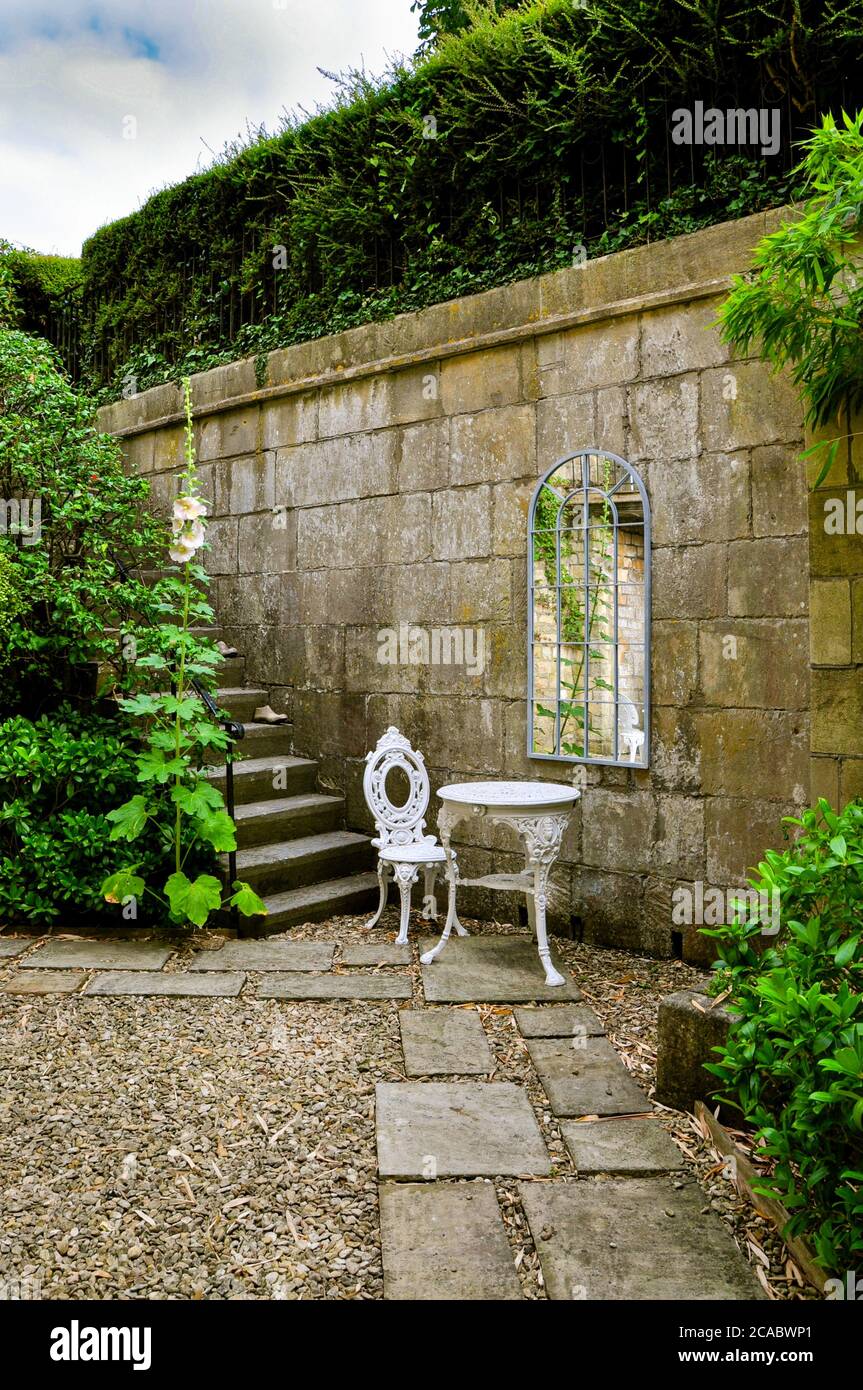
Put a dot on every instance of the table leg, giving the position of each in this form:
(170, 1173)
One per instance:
(446, 822)
(541, 836)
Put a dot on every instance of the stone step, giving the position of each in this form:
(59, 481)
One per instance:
(259, 779)
(264, 740)
(232, 670)
(315, 901)
(289, 864)
(241, 701)
(262, 826)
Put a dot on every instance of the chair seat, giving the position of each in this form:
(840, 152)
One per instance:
(422, 852)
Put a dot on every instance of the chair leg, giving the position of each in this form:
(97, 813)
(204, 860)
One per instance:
(406, 877)
(429, 898)
(383, 880)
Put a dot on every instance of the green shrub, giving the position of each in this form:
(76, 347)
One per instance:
(59, 776)
(801, 306)
(793, 1062)
(81, 510)
(551, 130)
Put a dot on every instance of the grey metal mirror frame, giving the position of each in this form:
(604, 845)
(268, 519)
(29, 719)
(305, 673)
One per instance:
(587, 488)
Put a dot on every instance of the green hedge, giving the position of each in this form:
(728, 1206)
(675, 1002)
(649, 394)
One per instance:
(551, 130)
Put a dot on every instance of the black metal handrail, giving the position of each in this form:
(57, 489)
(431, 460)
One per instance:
(233, 728)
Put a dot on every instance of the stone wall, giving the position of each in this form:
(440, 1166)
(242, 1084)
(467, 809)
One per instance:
(836, 605)
(383, 476)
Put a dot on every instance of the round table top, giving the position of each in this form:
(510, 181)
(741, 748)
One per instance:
(536, 794)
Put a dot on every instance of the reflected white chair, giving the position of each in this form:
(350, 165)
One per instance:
(403, 848)
(628, 731)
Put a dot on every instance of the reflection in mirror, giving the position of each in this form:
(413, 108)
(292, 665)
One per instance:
(589, 577)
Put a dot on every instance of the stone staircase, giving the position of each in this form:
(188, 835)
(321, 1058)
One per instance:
(292, 846)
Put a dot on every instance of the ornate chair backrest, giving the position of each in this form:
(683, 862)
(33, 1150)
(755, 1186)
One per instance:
(396, 825)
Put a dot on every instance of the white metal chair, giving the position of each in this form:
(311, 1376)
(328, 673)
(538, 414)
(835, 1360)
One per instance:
(403, 848)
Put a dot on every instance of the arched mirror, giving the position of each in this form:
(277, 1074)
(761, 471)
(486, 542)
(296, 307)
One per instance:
(589, 612)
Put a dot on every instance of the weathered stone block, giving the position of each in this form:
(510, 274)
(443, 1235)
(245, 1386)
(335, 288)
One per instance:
(332, 722)
(339, 596)
(663, 419)
(221, 556)
(690, 1026)
(330, 537)
(221, 383)
(857, 621)
(674, 662)
(424, 461)
(738, 832)
(755, 662)
(481, 379)
(675, 753)
(290, 420)
(609, 904)
(355, 407)
(678, 843)
(403, 524)
(167, 448)
(232, 433)
(611, 420)
(700, 499)
(837, 711)
(461, 523)
(337, 470)
(563, 425)
(493, 445)
(416, 394)
(268, 542)
(830, 633)
(745, 404)
(480, 591)
(139, 452)
(251, 484)
(851, 781)
(511, 503)
(420, 593)
(778, 491)
(597, 354)
(824, 779)
(765, 752)
(689, 582)
(618, 830)
(681, 338)
(768, 578)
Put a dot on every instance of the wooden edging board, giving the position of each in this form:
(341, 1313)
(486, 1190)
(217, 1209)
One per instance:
(746, 1178)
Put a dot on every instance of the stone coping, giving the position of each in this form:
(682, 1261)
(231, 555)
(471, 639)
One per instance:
(655, 275)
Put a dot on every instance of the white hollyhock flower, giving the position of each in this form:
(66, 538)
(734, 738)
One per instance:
(181, 551)
(189, 509)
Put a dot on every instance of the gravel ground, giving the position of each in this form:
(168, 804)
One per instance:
(224, 1149)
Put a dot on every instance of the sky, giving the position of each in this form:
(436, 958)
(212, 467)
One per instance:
(104, 101)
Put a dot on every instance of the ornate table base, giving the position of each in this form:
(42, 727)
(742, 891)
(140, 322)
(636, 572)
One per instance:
(541, 833)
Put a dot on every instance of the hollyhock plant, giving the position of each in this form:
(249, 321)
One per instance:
(176, 796)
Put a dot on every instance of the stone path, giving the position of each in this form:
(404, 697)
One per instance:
(444, 1042)
(630, 1222)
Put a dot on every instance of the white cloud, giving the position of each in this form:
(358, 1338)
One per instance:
(192, 74)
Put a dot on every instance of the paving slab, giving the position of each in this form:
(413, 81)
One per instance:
(432, 1129)
(444, 1042)
(376, 953)
(44, 982)
(179, 985)
(14, 945)
(445, 1241)
(491, 970)
(97, 955)
(353, 986)
(585, 1076)
(638, 1238)
(636, 1145)
(566, 1021)
(267, 955)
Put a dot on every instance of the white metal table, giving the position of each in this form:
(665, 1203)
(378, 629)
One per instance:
(539, 812)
